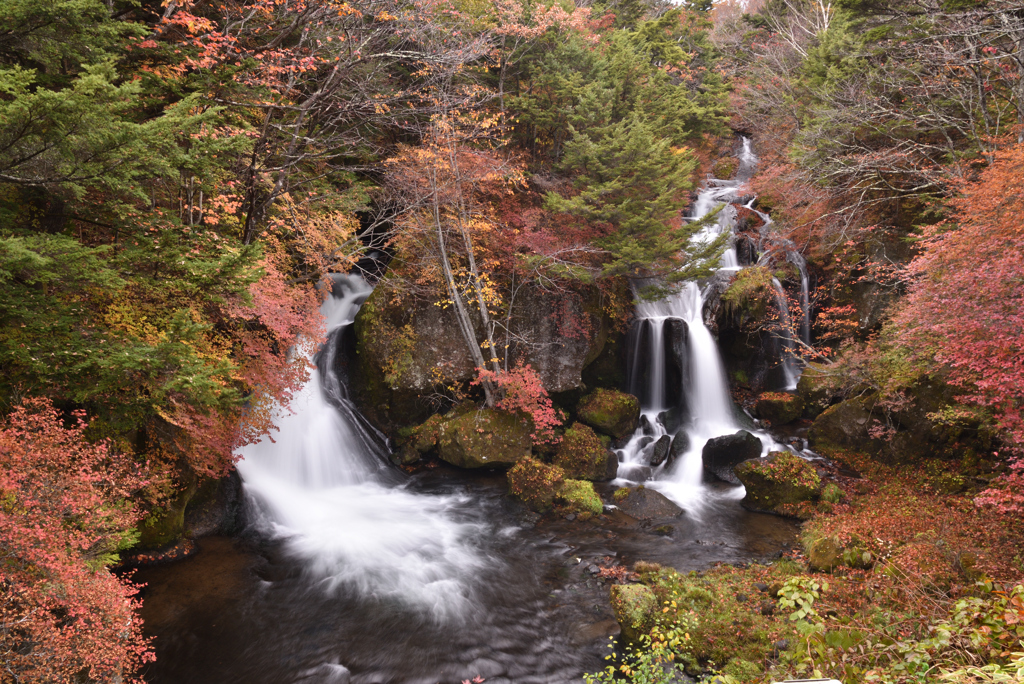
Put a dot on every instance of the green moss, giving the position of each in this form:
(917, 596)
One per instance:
(611, 412)
(578, 496)
(749, 294)
(635, 607)
(582, 454)
(535, 483)
(832, 493)
(779, 483)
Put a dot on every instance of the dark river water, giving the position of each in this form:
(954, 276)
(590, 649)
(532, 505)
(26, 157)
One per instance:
(242, 610)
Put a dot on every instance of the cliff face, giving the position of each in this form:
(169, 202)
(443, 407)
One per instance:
(409, 348)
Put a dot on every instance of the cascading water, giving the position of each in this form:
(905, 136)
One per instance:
(321, 485)
(711, 411)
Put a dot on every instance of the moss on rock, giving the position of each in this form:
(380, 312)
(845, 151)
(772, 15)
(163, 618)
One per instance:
(778, 483)
(544, 487)
(779, 407)
(611, 412)
(582, 455)
(578, 496)
(484, 438)
(635, 607)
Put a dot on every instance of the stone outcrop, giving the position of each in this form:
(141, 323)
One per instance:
(544, 487)
(636, 608)
(645, 504)
(475, 438)
(779, 408)
(611, 412)
(722, 454)
(405, 346)
(583, 456)
(778, 483)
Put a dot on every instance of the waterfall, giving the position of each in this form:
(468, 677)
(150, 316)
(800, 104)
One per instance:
(790, 370)
(322, 487)
(706, 391)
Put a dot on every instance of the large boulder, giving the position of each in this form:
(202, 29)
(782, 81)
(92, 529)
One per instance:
(645, 504)
(583, 456)
(544, 487)
(779, 408)
(484, 438)
(406, 345)
(636, 609)
(778, 483)
(819, 387)
(614, 413)
(722, 454)
(845, 425)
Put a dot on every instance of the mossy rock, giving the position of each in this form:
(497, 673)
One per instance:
(778, 483)
(484, 438)
(614, 413)
(636, 608)
(825, 553)
(845, 425)
(779, 407)
(578, 496)
(818, 387)
(544, 487)
(583, 456)
(535, 484)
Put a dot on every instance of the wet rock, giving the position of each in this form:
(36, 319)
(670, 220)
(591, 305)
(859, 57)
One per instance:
(611, 412)
(767, 608)
(761, 586)
(680, 445)
(583, 456)
(484, 438)
(635, 607)
(779, 407)
(722, 454)
(645, 504)
(660, 451)
(778, 482)
(544, 487)
(664, 530)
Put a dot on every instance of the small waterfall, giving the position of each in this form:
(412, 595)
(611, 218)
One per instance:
(321, 485)
(794, 257)
(790, 369)
(706, 392)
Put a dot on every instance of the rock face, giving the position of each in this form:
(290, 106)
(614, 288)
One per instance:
(405, 346)
(818, 387)
(645, 504)
(844, 425)
(778, 483)
(722, 454)
(635, 607)
(611, 412)
(583, 456)
(544, 487)
(779, 407)
(478, 439)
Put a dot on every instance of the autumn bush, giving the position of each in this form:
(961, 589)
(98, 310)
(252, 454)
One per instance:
(66, 511)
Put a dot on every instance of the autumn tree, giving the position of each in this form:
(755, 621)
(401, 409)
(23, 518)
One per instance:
(65, 511)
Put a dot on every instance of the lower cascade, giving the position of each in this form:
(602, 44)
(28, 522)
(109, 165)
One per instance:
(321, 485)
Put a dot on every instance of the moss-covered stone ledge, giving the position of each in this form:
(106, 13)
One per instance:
(613, 413)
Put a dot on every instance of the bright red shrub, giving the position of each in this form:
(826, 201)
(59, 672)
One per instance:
(65, 511)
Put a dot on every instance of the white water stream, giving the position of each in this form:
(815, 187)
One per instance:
(706, 391)
(320, 486)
